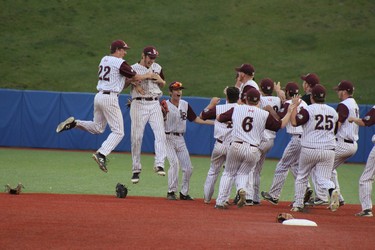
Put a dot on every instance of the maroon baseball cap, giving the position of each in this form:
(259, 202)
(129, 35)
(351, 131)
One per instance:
(311, 79)
(267, 85)
(151, 52)
(292, 88)
(119, 44)
(345, 85)
(318, 91)
(252, 95)
(246, 68)
(175, 86)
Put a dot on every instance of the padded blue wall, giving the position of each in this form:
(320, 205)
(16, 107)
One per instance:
(29, 119)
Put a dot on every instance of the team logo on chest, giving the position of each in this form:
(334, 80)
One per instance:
(183, 115)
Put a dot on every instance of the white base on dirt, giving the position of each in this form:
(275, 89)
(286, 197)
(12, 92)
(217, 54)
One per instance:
(300, 222)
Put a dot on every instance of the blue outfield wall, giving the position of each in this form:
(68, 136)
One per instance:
(29, 119)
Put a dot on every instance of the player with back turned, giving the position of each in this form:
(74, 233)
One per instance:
(113, 70)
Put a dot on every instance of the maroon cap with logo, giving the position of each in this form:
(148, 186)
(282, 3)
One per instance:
(345, 85)
(311, 79)
(292, 88)
(119, 44)
(151, 52)
(246, 68)
(318, 91)
(175, 86)
(252, 95)
(267, 85)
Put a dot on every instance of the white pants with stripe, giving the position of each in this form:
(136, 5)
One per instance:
(241, 160)
(106, 111)
(178, 156)
(142, 112)
(322, 161)
(366, 181)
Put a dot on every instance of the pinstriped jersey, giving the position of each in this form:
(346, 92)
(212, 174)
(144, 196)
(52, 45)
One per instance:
(110, 78)
(176, 117)
(249, 123)
(222, 131)
(290, 129)
(246, 86)
(149, 86)
(369, 120)
(348, 130)
(275, 103)
(318, 123)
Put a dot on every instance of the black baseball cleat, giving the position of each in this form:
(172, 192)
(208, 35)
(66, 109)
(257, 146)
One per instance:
(101, 160)
(159, 170)
(171, 196)
(185, 197)
(269, 198)
(308, 194)
(365, 213)
(135, 178)
(221, 207)
(66, 125)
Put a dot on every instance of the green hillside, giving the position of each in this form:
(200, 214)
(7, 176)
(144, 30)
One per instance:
(57, 45)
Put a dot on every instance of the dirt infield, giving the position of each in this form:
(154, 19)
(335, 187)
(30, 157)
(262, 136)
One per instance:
(54, 221)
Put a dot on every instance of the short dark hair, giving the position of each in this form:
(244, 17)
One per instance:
(233, 94)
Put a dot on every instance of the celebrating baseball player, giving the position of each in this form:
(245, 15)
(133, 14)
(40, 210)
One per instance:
(290, 157)
(145, 107)
(249, 123)
(266, 99)
(245, 79)
(309, 81)
(177, 152)
(367, 178)
(113, 70)
(222, 134)
(318, 144)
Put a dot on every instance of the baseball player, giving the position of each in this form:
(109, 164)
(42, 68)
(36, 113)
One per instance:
(177, 152)
(289, 159)
(347, 133)
(113, 70)
(145, 108)
(249, 123)
(266, 98)
(222, 134)
(318, 144)
(245, 79)
(309, 81)
(367, 178)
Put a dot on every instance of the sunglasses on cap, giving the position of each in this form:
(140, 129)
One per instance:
(176, 86)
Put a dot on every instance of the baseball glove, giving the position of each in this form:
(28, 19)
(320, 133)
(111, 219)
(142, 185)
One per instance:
(16, 190)
(164, 107)
(283, 216)
(121, 191)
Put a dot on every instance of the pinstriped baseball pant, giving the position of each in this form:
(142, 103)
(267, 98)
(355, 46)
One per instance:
(218, 157)
(320, 159)
(241, 160)
(253, 190)
(106, 111)
(366, 181)
(141, 112)
(178, 156)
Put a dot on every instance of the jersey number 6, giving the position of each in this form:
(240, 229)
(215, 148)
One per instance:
(247, 124)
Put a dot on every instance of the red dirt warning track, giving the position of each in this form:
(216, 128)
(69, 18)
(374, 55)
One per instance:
(55, 221)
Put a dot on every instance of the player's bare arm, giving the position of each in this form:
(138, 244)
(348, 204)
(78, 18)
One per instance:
(158, 80)
(357, 121)
(295, 100)
(287, 116)
(280, 93)
(206, 122)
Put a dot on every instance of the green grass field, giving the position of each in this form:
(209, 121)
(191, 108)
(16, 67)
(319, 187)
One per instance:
(56, 45)
(55, 171)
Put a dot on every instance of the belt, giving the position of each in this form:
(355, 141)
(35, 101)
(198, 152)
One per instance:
(347, 141)
(173, 133)
(219, 141)
(241, 142)
(146, 98)
(108, 93)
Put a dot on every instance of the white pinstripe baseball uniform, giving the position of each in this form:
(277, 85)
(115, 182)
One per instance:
(145, 108)
(112, 73)
(265, 145)
(346, 137)
(249, 123)
(246, 86)
(318, 143)
(367, 178)
(222, 134)
(177, 152)
(290, 157)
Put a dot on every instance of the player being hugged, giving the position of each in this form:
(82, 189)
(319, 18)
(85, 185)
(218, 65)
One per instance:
(177, 152)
